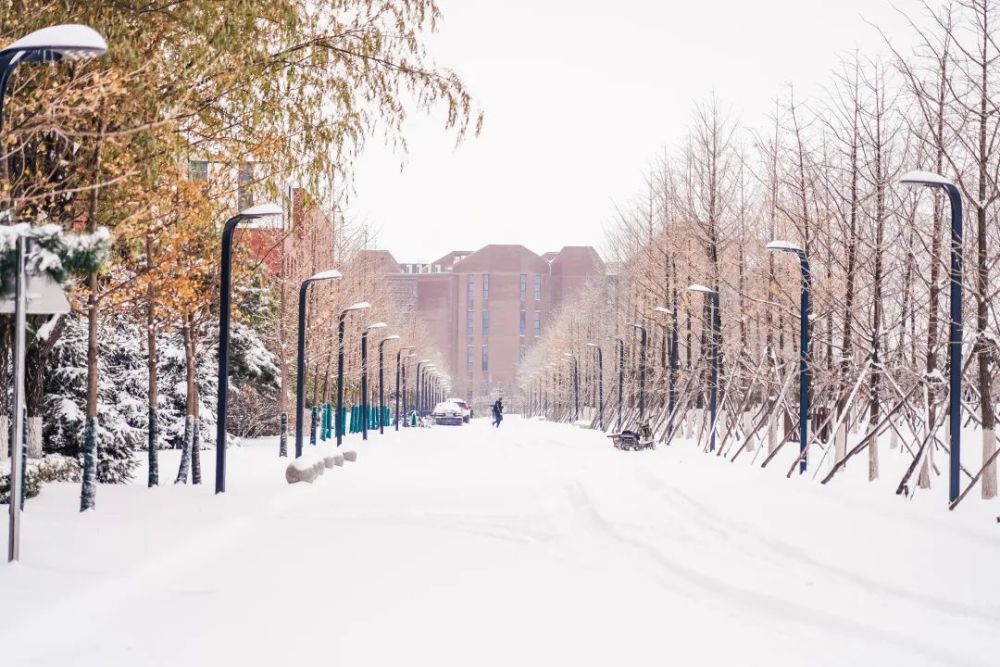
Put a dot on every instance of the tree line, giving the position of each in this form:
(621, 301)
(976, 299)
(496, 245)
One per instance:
(824, 174)
(196, 105)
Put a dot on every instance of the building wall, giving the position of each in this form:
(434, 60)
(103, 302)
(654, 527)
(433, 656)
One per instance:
(479, 332)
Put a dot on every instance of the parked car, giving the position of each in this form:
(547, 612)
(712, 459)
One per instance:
(448, 413)
(466, 408)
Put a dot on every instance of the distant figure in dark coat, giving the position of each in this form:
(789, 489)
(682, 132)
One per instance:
(498, 412)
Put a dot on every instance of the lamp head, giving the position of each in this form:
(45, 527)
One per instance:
(784, 246)
(261, 211)
(70, 41)
(695, 287)
(376, 325)
(925, 179)
(593, 345)
(664, 310)
(327, 275)
(392, 337)
(638, 326)
(360, 305)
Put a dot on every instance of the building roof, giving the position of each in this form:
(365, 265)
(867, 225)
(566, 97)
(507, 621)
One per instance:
(502, 258)
(451, 259)
(383, 260)
(577, 260)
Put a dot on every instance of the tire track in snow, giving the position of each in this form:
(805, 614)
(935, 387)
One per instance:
(785, 611)
(790, 552)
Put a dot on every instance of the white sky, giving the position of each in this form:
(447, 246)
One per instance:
(580, 98)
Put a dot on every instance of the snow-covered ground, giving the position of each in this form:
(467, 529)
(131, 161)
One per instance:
(534, 544)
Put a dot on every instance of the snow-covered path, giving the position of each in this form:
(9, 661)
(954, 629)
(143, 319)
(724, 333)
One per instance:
(534, 544)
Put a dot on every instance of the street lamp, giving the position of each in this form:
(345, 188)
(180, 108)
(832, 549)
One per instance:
(52, 44)
(300, 373)
(932, 180)
(716, 325)
(364, 375)
(600, 382)
(225, 296)
(417, 405)
(399, 369)
(338, 419)
(621, 377)
(425, 389)
(642, 371)
(55, 43)
(674, 336)
(576, 385)
(804, 310)
(381, 381)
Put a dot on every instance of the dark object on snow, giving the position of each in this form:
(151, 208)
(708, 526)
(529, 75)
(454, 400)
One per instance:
(632, 440)
(498, 412)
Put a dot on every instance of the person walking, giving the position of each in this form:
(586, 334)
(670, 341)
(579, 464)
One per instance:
(498, 412)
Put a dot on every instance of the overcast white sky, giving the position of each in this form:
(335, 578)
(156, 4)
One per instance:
(580, 97)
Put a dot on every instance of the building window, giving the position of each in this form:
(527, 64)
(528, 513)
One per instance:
(469, 356)
(469, 323)
(486, 286)
(244, 197)
(538, 324)
(524, 323)
(522, 352)
(470, 292)
(538, 288)
(198, 170)
(524, 286)
(486, 323)
(486, 359)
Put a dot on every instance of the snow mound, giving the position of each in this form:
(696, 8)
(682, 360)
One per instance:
(350, 455)
(305, 469)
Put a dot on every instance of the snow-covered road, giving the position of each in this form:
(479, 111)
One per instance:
(534, 544)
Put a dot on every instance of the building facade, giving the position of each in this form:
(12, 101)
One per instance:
(485, 309)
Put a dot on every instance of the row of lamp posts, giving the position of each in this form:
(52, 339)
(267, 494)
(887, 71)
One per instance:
(916, 178)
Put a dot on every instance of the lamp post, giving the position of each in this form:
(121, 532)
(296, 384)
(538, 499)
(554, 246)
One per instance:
(932, 180)
(425, 390)
(364, 375)
(399, 370)
(674, 336)
(716, 325)
(55, 43)
(621, 377)
(804, 313)
(417, 405)
(300, 373)
(576, 385)
(338, 419)
(225, 297)
(381, 381)
(600, 383)
(642, 371)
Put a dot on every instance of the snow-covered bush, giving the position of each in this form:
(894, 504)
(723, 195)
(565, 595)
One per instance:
(52, 468)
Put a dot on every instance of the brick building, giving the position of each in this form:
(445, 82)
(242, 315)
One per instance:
(485, 309)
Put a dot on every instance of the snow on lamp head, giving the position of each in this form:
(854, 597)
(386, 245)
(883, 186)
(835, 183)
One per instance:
(59, 42)
(925, 179)
(327, 275)
(784, 246)
(695, 287)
